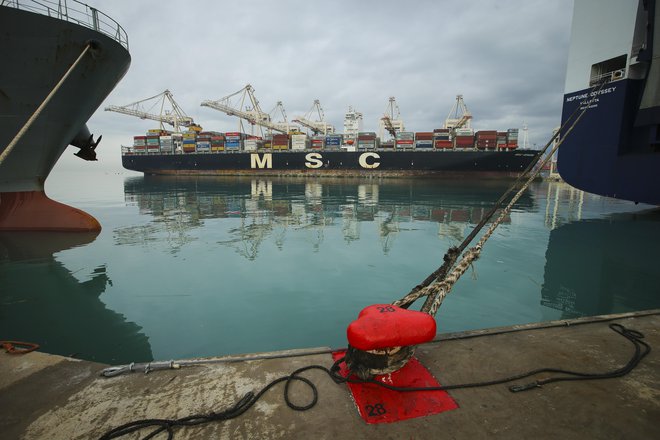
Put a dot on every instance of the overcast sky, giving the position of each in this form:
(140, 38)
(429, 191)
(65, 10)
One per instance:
(507, 58)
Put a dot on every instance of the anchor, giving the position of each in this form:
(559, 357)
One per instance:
(85, 141)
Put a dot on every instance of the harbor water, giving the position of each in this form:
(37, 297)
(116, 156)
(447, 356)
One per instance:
(207, 266)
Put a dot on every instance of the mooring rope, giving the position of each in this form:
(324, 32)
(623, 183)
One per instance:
(437, 285)
(158, 426)
(37, 112)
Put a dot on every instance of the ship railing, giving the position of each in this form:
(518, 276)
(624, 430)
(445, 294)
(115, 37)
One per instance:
(75, 12)
(614, 75)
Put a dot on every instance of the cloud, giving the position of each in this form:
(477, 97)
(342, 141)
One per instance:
(507, 58)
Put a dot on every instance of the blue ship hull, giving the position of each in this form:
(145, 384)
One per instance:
(605, 154)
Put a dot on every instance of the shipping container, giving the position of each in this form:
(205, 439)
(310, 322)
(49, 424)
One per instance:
(464, 141)
(442, 144)
(333, 141)
(424, 136)
(424, 144)
(139, 141)
(405, 135)
(250, 144)
(203, 146)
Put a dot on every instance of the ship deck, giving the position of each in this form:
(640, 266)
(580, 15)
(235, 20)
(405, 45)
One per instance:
(48, 396)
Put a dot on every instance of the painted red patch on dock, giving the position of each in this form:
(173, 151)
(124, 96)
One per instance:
(376, 404)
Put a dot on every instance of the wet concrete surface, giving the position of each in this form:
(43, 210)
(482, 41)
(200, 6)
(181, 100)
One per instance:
(45, 396)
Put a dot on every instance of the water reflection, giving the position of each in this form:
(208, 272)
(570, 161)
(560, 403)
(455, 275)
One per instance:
(43, 301)
(605, 265)
(257, 209)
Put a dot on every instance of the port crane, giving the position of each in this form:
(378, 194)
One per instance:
(459, 116)
(174, 116)
(391, 121)
(250, 111)
(283, 124)
(319, 126)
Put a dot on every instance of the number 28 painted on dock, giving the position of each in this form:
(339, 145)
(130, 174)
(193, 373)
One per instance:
(367, 160)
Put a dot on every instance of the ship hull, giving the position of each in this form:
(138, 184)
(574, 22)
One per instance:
(604, 153)
(339, 163)
(37, 51)
(612, 74)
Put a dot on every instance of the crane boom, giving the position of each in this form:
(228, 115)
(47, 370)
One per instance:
(391, 120)
(459, 115)
(254, 115)
(319, 126)
(175, 117)
(387, 122)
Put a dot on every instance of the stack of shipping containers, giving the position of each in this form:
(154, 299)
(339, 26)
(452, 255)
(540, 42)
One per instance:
(464, 138)
(233, 141)
(153, 141)
(140, 144)
(512, 138)
(486, 139)
(424, 139)
(442, 138)
(217, 142)
(298, 141)
(252, 143)
(318, 142)
(366, 140)
(166, 144)
(268, 141)
(280, 142)
(204, 142)
(333, 141)
(189, 139)
(405, 140)
(501, 140)
(177, 141)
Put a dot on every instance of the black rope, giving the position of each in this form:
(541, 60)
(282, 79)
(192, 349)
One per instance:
(235, 411)
(161, 425)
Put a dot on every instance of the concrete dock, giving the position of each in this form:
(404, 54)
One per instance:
(44, 396)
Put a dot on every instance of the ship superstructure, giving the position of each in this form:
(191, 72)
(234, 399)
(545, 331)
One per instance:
(353, 123)
(613, 72)
(65, 58)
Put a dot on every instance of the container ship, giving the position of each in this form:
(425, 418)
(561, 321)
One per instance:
(284, 149)
(61, 60)
(613, 72)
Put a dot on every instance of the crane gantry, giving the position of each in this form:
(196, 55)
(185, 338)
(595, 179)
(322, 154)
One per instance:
(282, 124)
(174, 116)
(459, 116)
(250, 111)
(391, 120)
(319, 126)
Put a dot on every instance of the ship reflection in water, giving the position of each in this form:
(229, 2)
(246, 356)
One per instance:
(599, 265)
(268, 208)
(298, 258)
(57, 307)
